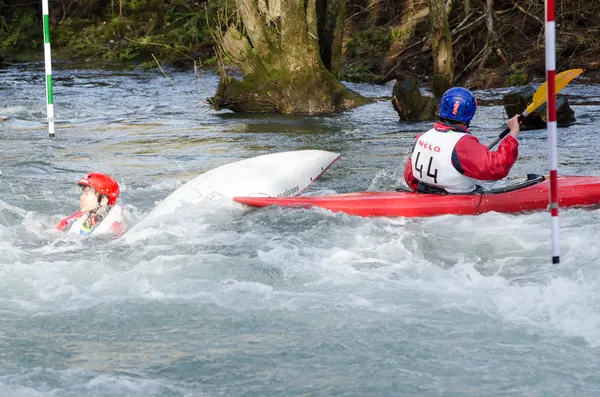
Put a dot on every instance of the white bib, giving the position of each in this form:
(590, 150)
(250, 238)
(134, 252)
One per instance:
(432, 162)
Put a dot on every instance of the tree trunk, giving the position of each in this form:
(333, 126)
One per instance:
(441, 45)
(467, 6)
(331, 29)
(491, 41)
(278, 52)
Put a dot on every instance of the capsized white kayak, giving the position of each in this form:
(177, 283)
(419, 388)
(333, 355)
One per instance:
(272, 175)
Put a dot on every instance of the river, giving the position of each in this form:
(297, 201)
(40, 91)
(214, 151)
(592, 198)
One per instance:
(277, 302)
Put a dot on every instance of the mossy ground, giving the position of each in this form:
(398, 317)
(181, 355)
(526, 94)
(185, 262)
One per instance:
(143, 32)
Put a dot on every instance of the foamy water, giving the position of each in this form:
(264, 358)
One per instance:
(217, 300)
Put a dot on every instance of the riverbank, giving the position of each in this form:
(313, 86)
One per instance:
(381, 44)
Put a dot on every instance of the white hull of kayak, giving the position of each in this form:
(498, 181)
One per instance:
(271, 175)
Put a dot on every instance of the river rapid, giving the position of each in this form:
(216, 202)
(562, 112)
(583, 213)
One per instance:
(220, 301)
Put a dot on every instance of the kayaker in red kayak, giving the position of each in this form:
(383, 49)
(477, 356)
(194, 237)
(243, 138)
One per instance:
(98, 212)
(448, 159)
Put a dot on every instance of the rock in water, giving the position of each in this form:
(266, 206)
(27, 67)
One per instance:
(516, 102)
(410, 104)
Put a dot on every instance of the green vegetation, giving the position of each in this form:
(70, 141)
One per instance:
(397, 34)
(369, 43)
(17, 34)
(176, 32)
(383, 41)
(516, 77)
(366, 48)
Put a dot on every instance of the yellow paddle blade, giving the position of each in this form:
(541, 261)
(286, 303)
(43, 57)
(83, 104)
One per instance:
(560, 81)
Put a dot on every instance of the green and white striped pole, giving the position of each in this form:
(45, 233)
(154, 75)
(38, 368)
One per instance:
(48, 63)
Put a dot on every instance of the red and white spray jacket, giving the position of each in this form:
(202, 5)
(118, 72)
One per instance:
(82, 223)
(448, 157)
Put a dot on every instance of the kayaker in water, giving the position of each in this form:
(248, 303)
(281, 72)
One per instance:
(448, 159)
(98, 210)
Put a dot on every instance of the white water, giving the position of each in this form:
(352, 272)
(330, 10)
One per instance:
(276, 302)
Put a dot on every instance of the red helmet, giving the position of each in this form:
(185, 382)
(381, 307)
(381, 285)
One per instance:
(103, 184)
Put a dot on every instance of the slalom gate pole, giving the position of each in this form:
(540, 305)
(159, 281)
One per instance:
(48, 64)
(551, 117)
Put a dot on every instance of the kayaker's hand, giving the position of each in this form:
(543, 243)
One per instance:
(513, 126)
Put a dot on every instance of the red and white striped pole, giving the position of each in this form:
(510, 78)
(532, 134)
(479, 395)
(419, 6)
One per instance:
(551, 117)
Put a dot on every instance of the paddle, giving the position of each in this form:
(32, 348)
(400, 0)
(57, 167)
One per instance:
(540, 97)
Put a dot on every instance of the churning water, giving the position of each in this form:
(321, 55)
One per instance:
(277, 302)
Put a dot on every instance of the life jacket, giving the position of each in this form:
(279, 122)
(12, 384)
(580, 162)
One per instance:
(86, 223)
(432, 161)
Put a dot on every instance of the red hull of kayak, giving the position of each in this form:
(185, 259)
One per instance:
(573, 191)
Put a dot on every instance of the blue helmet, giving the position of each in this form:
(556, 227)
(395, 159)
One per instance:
(458, 104)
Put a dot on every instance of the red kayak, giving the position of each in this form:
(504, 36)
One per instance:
(529, 195)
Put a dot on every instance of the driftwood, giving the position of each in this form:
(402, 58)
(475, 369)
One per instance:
(515, 102)
(491, 42)
(460, 31)
(410, 104)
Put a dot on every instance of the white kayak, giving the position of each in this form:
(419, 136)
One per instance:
(272, 175)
